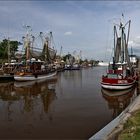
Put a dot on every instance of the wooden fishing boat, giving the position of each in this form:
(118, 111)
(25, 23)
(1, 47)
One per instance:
(30, 83)
(37, 74)
(120, 74)
(35, 68)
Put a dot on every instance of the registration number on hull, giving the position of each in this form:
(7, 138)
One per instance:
(122, 82)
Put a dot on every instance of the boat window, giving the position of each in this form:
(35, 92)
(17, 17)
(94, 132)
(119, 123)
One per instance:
(113, 76)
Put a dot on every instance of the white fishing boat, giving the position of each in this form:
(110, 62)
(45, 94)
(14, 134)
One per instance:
(29, 83)
(35, 68)
(34, 76)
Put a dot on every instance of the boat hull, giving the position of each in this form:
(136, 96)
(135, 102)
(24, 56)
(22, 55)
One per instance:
(116, 93)
(72, 68)
(75, 68)
(33, 77)
(6, 77)
(117, 86)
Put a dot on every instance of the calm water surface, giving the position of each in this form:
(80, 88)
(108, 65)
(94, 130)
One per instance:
(71, 106)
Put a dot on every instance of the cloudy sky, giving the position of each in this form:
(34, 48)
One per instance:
(85, 26)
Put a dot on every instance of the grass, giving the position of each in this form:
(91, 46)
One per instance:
(131, 129)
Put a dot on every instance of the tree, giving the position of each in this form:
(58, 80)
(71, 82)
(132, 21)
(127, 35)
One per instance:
(70, 57)
(4, 48)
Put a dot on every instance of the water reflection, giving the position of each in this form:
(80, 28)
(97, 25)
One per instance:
(118, 100)
(28, 97)
(73, 76)
(65, 108)
(7, 92)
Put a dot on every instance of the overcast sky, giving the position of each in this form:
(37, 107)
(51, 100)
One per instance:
(85, 26)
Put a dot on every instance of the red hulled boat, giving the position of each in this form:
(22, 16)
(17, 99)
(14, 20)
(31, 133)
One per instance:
(120, 74)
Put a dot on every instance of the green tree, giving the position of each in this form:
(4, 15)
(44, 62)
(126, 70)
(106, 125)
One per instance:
(4, 48)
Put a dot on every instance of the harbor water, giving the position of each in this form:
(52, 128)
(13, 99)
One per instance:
(71, 106)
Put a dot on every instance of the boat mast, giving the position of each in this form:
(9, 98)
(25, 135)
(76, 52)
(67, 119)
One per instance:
(33, 39)
(8, 50)
(60, 56)
(27, 41)
(127, 55)
(61, 51)
(46, 50)
(51, 50)
(45, 42)
(129, 22)
(114, 47)
(122, 42)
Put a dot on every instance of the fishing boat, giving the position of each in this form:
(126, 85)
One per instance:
(28, 74)
(75, 66)
(7, 71)
(30, 83)
(120, 74)
(73, 62)
(38, 65)
(59, 63)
